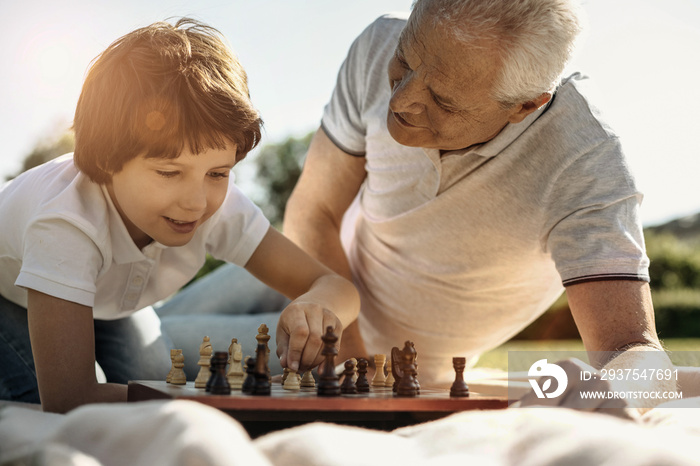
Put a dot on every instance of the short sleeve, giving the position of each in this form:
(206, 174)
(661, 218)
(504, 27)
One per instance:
(598, 233)
(342, 116)
(60, 260)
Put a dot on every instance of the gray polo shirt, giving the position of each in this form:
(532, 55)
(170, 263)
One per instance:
(458, 253)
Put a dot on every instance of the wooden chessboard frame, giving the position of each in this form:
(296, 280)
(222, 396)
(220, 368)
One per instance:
(379, 409)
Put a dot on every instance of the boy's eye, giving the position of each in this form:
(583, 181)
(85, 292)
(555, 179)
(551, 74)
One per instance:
(166, 174)
(223, 174)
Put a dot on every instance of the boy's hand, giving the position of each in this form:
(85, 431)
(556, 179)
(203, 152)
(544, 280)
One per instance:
(299, 332)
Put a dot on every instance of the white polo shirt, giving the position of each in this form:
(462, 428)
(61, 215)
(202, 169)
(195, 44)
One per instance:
(459, 253)
(63, 236)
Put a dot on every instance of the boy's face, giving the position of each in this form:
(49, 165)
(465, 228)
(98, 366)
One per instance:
(166, 200)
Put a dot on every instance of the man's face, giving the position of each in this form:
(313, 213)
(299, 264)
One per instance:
(440, 90)
(166, 200)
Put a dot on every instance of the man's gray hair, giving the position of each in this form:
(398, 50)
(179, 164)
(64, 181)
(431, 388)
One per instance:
(535, 38)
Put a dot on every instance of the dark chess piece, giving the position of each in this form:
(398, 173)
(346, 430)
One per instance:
(407, 386)
(415, 364)
(459, 387)
(362, 383)
(218, 382)
(396, 367)
(328, 384)
(249, 382)
(262, 382)
(348, 387)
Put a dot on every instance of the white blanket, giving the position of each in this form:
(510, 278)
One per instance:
(189, 433)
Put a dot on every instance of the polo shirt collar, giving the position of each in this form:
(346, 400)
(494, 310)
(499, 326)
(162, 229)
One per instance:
(124, 250)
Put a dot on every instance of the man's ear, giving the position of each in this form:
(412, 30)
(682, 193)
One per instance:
(522, 110)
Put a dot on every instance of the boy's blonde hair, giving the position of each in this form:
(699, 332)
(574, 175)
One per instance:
(157, 89)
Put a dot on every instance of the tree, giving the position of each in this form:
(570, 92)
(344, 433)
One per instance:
(278, 167)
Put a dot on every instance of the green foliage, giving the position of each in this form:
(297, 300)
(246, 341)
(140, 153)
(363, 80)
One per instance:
(674, 264)
(278, 168)
(48, 149)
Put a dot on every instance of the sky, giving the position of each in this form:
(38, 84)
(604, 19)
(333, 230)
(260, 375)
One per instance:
(642, 56)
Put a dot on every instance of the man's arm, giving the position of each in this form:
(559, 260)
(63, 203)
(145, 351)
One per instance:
(328, 184)
(63, 344)
(616, 318)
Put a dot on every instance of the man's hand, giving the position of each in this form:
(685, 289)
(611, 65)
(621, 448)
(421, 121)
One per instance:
(571, 397)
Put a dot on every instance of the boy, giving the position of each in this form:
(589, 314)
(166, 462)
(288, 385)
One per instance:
(92, 238)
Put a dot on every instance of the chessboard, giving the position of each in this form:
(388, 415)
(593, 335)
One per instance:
(379, 409)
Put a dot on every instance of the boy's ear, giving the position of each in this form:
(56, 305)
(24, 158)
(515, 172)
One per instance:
(522, 110)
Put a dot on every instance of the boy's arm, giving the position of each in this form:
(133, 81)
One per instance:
(321, 298)
(63, 344)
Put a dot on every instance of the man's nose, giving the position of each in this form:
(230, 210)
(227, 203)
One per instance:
(406, 95)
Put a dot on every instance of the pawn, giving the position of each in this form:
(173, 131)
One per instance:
(292, 382)
(249, 382)
(362, 383)
(354, 374)
(205, 351)
(379, 378)
(348, 386)
(459, 387)
(169, 377)
(178, 377)
(308, 380)
(218, 383)
(389, 382)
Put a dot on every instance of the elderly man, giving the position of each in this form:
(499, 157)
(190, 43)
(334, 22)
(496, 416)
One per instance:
(471, 184)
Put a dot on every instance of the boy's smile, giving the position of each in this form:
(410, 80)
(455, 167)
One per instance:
(166, 200)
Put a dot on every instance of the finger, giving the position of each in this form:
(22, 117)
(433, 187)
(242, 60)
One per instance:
(282, 341)
(298, 339)
(311, 356)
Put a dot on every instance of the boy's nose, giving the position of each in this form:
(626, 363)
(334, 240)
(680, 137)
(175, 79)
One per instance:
(194, 199)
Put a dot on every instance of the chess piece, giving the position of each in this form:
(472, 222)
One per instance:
(389, 381)
(235, 373)
(218, 383)
(407, 386)
(292, 382)
(308, 380)
(169, 377)
(285, 374)
(249, 382)
(354, 374)
(396, 367)
(205, 351)
(328, 384)
(459, 386)
(415, 364)
(379, 378)
(348, 386)
(261, 373)
(362, 383)
(178, 377)
(264, 338)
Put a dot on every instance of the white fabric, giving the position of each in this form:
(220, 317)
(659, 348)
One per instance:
(189, 433)
(458, 253)
(66, 239)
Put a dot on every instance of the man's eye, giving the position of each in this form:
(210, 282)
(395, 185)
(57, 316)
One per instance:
(166, 174)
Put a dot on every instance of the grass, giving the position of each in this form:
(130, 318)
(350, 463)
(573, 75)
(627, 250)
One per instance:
(498, 357)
